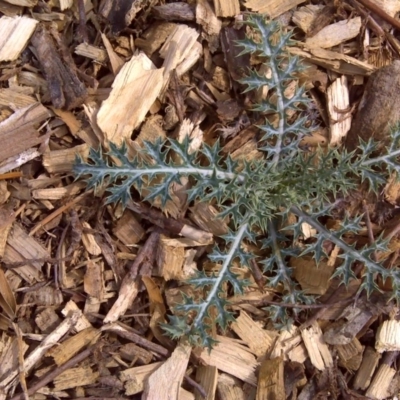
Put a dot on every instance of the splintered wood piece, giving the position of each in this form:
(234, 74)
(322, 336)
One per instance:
(66, 90)
(167, 380)
(258, 339)
(157, 311)
(128, 229)
(337, 62)
(339, 111)
(58, 193)
(59, 161)
(15, 33)
(15, 99)
(230, 388)
(134, 378)
(89, 241)
(289, 345)
(170, 260)
(335, 34)
(271, 380)
(7, 217)
(388, 336)
(73, 345)
(177, 48)
(232, 358)
(304, 17)
(350, 355)
(75, 377)
(9, 356)
(134, 90)
(93, 281)
(207, 377)
(313, 278)
(20, 247)
(20, 159)
(380, 385)
(39, 352)
(82, 322)
(92, 52)
(18, 132)
(7, 299)
(273, 8)
(206, 18)
(115, 61)
(367, 369)
(317, 349)
(226, 8)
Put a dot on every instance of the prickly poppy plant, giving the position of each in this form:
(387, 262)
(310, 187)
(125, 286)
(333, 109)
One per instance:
(259, 195)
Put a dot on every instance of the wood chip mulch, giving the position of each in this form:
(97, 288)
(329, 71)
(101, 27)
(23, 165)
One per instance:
(84, 286)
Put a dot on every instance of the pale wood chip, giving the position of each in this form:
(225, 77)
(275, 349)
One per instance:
(93, 281)
(134, 90)
(388, 336)
(258, 339)
(82, 322)
(166, 381)
(367, 368)
(89, 241)
(211, 25)
(15, 33)
(334, 61)
(271, 380)
(59, 161)
(230, 387)
(170, 260)
(350, 355)
(18, 132)
(20, 247)
(339, 112)
(232, 358)
(128, 229)
(207, 377)
(94, 53)
(335, 34)
(317, 349)
(76, 377)
(273, 8)
(381, 384)
(73, 345)
(134, 378)
(226, 8)
(9, 351)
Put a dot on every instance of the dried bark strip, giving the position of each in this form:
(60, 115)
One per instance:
(66, 90)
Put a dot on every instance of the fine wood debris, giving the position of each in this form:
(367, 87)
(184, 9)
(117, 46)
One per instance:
(84, 286)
